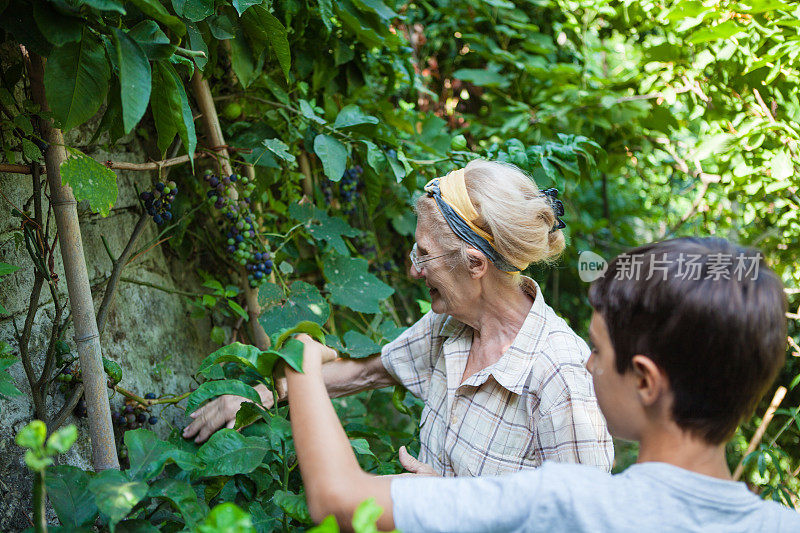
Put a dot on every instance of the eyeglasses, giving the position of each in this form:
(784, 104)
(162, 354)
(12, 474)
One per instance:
(417, 262)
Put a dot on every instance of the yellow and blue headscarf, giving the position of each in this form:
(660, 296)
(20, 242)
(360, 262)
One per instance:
(450, 194)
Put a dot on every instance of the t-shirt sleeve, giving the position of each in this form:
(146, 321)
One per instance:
(492, 503)
(410, 358)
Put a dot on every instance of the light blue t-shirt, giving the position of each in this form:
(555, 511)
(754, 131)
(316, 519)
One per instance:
(647, 497)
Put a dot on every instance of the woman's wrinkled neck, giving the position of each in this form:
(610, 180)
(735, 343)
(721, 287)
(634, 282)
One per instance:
(497, 311)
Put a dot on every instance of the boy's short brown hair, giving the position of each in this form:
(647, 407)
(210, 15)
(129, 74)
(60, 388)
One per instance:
(720, 341)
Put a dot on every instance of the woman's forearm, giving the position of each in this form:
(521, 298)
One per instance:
(343, 377)
(348, 376)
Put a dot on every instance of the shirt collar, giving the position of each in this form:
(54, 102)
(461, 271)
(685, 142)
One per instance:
(512, 370)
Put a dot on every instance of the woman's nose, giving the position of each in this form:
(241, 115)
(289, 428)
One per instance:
(416, 274)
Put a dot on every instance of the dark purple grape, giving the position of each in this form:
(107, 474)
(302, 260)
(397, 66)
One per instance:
(150, 396)
(159, 186)
(168, 215)
(157, 219)
(153, 420)
(128, 409)
(141, 418)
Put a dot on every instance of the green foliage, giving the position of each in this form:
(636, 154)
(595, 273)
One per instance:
(90, 181)
(653, 120)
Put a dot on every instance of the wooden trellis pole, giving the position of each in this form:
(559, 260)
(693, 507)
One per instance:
(205, 103)
(87, 338)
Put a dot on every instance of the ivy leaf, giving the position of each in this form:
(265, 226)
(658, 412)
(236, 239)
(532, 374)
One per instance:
(227, 517)
(261, 27)
(197, 43)
(68, 490)
(115, 495)
(365, 519)
(153, 41)
(228, 453)
(134, 76)
(293, 505)
(292, 353)
(359, 345)
(6, 269)
(105, 5)
(351, 285)
(18, 20)
(197, 10)
(30, 150)
(245, 63)
(76, 80)
(490, 77)
(304, 303)
(236, 352)
(323, 227)
(147, 454)
(90, 181)
(171, 111)
(352, 115)
(242, 5)
(212, 389)
(326, 13)
(308, 112)
(57, 28)
(361, 447)
(182, 497)
(782, 166)
(154, 10)
(7, 387)
(721, 31)
(333, 155)
(377, 7)
(375, 157)
(279, 148)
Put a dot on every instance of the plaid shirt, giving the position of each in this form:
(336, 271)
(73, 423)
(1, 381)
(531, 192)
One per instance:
(535, 403)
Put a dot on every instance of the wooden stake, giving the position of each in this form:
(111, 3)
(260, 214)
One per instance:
(205, 101)
(87, 338)
(762, 428)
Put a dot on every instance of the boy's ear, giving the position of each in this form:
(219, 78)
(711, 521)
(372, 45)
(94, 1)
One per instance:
(652, 383)
(478, 264)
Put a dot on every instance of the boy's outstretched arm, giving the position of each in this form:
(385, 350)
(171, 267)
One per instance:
(334, 481)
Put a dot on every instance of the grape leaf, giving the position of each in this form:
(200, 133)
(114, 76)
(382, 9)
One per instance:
(359, 345)
(323, 227)
(352, 115)
(333, 155)
(352, 285)
(304, 303)
(90, 181)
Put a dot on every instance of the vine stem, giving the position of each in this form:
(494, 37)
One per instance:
(115, 165)
(39, 499)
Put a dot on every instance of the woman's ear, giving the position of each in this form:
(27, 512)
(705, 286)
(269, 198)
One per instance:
(478, 264)
(651, 381)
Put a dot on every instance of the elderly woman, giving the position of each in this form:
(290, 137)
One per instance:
(501, 375)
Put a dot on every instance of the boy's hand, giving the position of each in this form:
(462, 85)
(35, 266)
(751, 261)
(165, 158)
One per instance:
(315, 354)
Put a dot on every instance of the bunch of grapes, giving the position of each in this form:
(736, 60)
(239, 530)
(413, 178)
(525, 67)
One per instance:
(158, 202)
(348, 187)
(242, 245)
(134, 415)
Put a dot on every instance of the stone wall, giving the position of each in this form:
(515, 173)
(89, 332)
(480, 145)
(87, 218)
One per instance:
(149, 331)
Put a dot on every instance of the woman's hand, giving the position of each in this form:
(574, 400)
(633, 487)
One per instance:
(414, 465)
(221, 412)
(315, 354)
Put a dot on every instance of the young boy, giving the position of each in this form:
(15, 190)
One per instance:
(688, 334)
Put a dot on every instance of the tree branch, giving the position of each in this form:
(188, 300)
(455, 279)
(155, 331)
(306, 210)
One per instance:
(116, 272)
